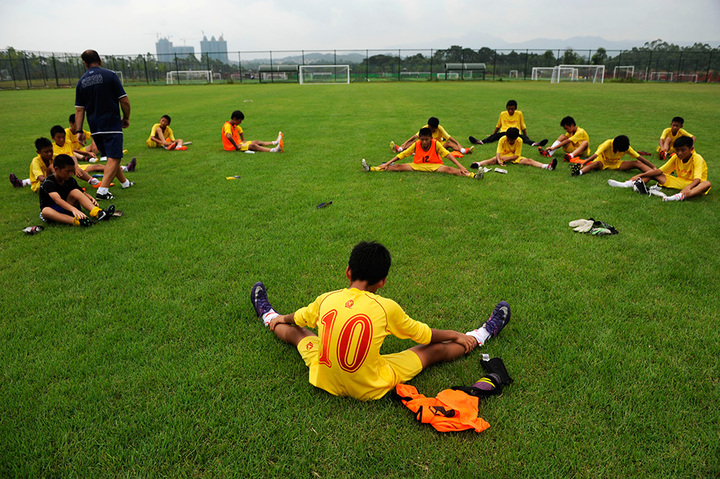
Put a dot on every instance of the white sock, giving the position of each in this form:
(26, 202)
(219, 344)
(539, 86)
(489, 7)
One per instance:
(275, 142)
(580, 173)
(554, 146)
(269, 316)
(94, 181)
(102, 191)
(463, 150)
(274, 150)
(126, 184)
(571, 155)
(123, 168)
(546, 167)
(26, 182)
(621, 184)
(480, 334)
(677, 197)
(104, 158)
(399, 149)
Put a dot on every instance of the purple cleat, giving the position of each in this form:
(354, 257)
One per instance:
(498, 319)
(259, 299)
(16, 182)
(131, 166)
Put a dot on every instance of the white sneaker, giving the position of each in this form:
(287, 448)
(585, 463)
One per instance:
(280, 136)
(620, 184)
(364, 164)
(132, 183)
(500, 170)
(249, 152)
(92, 160)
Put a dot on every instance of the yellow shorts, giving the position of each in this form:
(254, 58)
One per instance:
(425, 166)
(151, 143)
(675, 182)
(244, 145)
(405, 365)
(570, 147)
(608, 164)
(83, 167)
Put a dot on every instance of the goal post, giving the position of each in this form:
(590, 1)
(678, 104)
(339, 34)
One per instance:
(120, 76)
(586, 73)
(327, 74)
(188, 76)
(541, 73)
(624, 71)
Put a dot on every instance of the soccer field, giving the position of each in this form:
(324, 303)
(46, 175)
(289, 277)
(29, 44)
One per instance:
(131, 348)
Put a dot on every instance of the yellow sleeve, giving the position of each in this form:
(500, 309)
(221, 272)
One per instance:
(153, 130)
(632, 153)
(669, 166)
(602, 148)
(500, 121)
(441, 151)
(227, 129)
(699, 167)
(443, 134)
(403, 326)
(407, 152)
(522, 120)
(309, 315)
(665, 133)
(682, 132)
(169, 134)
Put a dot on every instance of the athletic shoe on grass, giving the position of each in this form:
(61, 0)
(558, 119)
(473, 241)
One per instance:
(575, 169)
(132, 183)
(106, 214)
(474, 140)
(498, 319)
(479, 175)
(544, 153)
(553, 164)
(393, 147)
(641, 187)
(469, 150)
(364, 164)
(108, 196)
(16, 182)
(542, 142)
(131, 166)
(259, 300)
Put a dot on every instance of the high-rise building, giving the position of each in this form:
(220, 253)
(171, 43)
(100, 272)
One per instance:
(215, 49)
(166, 52)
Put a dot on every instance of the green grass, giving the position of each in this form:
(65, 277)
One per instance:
(131, 349)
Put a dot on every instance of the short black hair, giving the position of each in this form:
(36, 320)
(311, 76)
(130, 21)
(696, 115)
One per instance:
(56, 129)
(90, 57)
(511, 103)
(567, 121)
(425, 131)
(72, 119)
(433, 122)
(369, 261)
(683, 141)
(41, 143)
(167, 117)
(678, 119)
(621, 143)
(512, 133)
(237, 115)
(62, 161)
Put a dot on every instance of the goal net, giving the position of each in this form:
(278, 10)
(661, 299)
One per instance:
(541, 73)
(691, 77)
(624, 71)
(120, 76)
(587, 73)
(324, 74)
(661, 76)
(188, 76)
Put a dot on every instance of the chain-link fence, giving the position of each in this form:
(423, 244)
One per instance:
(23, 69)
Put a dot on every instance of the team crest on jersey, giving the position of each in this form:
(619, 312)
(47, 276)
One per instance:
(350, 304)
(309, 346)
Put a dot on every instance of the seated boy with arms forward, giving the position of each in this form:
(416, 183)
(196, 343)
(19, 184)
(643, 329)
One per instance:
(575, 142)
(428, 154)
(162, 135)
(439, 133)
(39, 166)
(510, 149)
(669, 135)
(344, 357)
(234, 140)
(609, 156)
(689, 166)
(72, 136)
(511, 118)
(61, 197)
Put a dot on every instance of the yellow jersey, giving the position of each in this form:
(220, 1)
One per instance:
(504, 147)
(605, 151)
(511, 121)
(667, 132)
(352, 325)
(37, 168)
(66, 149)
(694, 168)
(168, 134)
(578, 137)
(439, 134)
(73, 140)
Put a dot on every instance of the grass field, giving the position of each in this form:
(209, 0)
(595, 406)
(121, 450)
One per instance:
(130, 349)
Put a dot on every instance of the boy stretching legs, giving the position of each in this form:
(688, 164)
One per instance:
(344, 356)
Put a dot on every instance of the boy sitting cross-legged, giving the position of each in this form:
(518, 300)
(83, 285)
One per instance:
(609, 156)
(61, 197)
(344, 356)
(575, 142)
(511, 118)
(427, 156)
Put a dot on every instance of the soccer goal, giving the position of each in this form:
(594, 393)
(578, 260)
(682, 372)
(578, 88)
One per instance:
(188, 76)
(339, 74)
(588, 73)
(661, 76)
(120, 76)
(687, 77)
(541, 73)
(513, 74)
(624, 71)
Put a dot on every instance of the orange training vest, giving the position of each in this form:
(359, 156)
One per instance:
(422, 156)
(235, 134)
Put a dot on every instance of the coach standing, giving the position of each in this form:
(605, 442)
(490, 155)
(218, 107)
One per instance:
(99, 93)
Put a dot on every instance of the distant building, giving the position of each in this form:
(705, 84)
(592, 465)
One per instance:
(166, 52)
(215, 49)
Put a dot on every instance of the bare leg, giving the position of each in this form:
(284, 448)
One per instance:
(629, 165)
(52, 215)
(593, 165)
(437, 352)
(112, 170)
(531, 162)
(291, 334)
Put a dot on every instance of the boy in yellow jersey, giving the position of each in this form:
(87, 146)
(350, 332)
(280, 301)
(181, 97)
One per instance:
(39, 166)
(438, 133)
(511, 118)
(669, 135)
(510, 149)
(427, 156)
(575, 142)
(233, 138)
(72, 137)
(609, 156)
(688, 165)
(162, 135)
(344, 356)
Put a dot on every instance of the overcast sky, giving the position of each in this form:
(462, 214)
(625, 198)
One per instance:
(133, 26)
